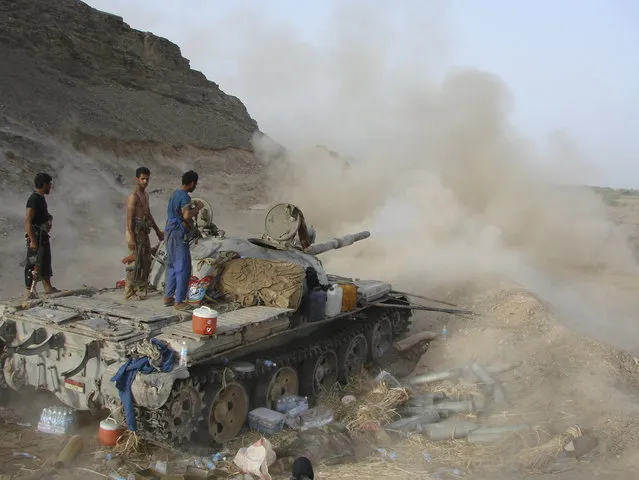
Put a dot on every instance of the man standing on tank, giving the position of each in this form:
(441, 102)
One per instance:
(179, 225)
(139, 223)
(37, 226)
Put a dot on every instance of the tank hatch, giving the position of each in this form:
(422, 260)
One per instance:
(47, 315)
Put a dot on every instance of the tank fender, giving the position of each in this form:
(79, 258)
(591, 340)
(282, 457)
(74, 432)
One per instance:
(152, 390)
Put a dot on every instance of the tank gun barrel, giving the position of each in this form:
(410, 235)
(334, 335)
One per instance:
(339, 242)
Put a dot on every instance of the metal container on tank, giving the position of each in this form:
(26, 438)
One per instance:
(315, 305)
(349, 296)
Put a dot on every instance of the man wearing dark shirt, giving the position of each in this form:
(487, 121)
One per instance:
(37, 225)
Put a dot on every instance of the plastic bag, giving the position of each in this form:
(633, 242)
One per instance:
(256, 459)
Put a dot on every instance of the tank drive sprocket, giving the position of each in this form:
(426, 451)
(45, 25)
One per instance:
(174, 423)
(184, 407)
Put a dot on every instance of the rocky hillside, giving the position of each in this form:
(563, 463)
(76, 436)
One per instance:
(89, 99)
(83, 75)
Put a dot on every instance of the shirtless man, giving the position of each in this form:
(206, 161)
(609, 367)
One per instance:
(139, 222)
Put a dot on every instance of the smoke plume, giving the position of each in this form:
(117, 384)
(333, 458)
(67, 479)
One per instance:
(430, 163)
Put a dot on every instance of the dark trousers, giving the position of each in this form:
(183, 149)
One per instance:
(39, 258)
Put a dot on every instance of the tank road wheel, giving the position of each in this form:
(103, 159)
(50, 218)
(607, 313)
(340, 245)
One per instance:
(400, 322)
(352, 357)
(227, 411)
(283, 381)
(184, 407)
(320, 373)
(380, 337)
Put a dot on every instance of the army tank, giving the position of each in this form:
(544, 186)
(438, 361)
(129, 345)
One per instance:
(94, 350)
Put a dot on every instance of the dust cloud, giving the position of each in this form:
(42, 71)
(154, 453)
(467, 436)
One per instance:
(431, 164)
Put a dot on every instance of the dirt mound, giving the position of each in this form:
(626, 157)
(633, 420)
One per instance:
(516, 325)
(565, 379)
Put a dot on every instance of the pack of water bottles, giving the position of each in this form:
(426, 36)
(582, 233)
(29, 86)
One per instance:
(266, 420)
(315, 417)
(56, 420)
(291, 405)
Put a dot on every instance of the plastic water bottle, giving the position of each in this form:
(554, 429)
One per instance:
(284, 403)
(387, 453)
(218, 457)
(68, 419)
(444, 333)
(184, 353)
(117, 476)
(56, 417)
(427, 456)
(61, 417)
(298, 410)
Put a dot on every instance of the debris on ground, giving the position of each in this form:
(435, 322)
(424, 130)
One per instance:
(256, 459)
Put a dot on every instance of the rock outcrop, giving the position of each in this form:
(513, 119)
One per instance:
(69, 70)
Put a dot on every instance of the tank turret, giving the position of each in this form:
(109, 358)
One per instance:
(285, 229)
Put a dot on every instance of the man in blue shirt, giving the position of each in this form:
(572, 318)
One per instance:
(179, 223)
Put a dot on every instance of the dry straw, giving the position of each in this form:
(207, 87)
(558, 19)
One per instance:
(537, 458)
(128, 444)
(375, 410)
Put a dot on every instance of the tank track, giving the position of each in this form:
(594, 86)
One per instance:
(165, 428)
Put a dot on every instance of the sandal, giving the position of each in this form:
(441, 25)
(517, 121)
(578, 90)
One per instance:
(169, 302)
(53, 290)
(185, 307)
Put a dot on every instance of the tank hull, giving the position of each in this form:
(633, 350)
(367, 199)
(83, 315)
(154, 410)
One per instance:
(74, 344)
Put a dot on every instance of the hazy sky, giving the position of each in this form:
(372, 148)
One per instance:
(570, 66)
